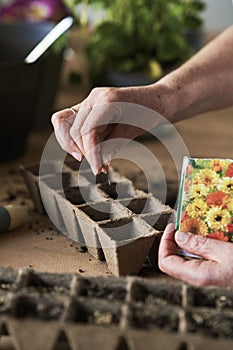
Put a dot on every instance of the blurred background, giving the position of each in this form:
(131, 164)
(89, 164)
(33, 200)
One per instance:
(114, 43)
(217, 15)
(111, 42)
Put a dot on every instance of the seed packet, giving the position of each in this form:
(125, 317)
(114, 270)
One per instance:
(205, 201)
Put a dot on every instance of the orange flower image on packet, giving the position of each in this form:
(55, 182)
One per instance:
(205, 201)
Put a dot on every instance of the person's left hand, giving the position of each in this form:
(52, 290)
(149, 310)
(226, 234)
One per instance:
(215, 270)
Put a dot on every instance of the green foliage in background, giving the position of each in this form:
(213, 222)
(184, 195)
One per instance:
(141, 35)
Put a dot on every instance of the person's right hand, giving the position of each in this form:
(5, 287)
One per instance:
(103, 116)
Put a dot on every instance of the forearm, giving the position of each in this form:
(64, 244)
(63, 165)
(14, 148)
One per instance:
(203, 83)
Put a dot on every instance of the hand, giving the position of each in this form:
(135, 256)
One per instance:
(216, 270)
(102, 117)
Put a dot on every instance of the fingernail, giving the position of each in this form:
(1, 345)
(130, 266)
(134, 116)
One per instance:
(95, 171)
(77, 156)
(105, 169)
(181, 236)
(170, 227)
(107, 158)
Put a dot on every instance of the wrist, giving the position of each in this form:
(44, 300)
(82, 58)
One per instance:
(158, 96)
(164, 99)
(178, 96)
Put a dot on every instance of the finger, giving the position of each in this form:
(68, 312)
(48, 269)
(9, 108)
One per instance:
(92, 149)
(195, 272)
(119, 136)
(168, 260)
(102, 115)
(75, 109)
(91, 118)
(62, 122)
(167, 245)
(92, 143)
(88, 130)
(211, 249)
(75, 130)
(192, 271)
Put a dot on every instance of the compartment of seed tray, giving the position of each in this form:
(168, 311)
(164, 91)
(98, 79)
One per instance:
(44, 308)
(123, 240)
(157, 293)
(83, 194)
(144, 205)
(210, 322)
(219, 298)
(100, 287)
(90, 214)
(94, 311)
(147, 317)
(118, 190)
(52, 284)
(104, 211)
(50, 205)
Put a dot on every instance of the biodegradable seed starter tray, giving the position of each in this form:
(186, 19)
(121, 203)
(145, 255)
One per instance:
(116, 222)
(68, 311)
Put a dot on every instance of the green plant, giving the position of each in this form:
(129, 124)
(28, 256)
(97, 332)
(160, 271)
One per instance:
(142, 35)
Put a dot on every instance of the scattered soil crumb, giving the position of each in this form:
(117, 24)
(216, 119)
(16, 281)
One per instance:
(83, 249)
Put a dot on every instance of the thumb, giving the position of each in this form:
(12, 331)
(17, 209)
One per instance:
(208, 248)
